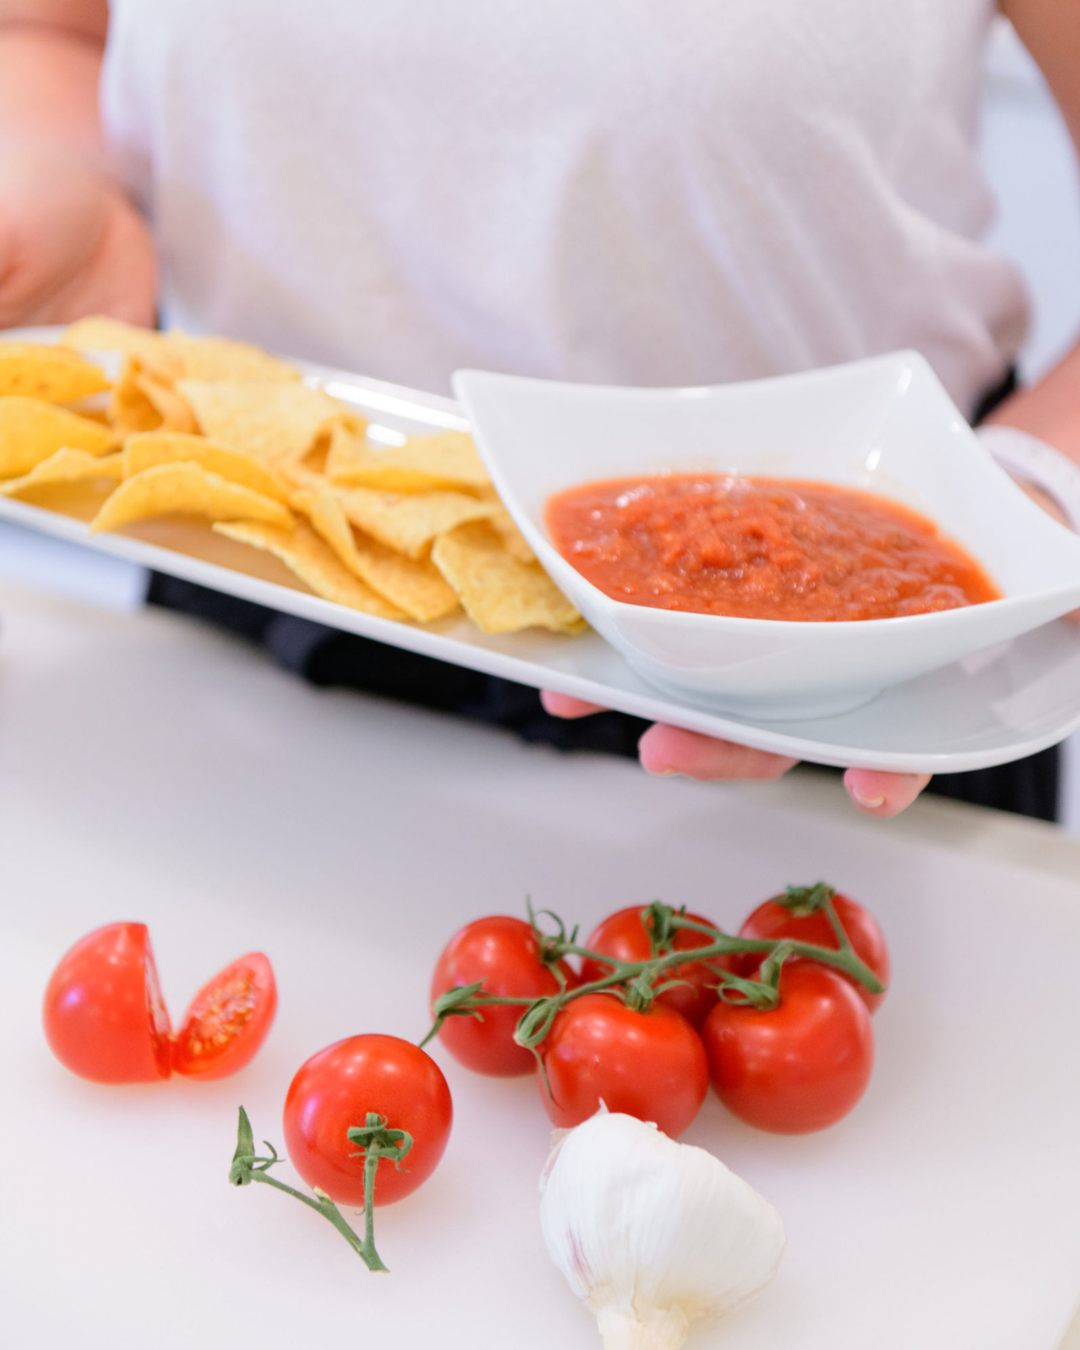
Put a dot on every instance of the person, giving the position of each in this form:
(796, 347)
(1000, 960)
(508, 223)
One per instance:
(630, 193)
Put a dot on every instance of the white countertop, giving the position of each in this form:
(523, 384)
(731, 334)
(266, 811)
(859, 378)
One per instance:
(150, 768)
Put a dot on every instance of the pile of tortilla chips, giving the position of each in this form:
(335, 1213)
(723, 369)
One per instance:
(220, 432)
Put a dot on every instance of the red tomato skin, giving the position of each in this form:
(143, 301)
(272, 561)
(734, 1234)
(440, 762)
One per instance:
(337, 1087)
(624, 936)
(773, 921)
(228, 1020)
(103, 1015)
(504, 953)
(650, 1065)
(801, 1066)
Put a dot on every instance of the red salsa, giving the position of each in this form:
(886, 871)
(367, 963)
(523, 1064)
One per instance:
(761, 548)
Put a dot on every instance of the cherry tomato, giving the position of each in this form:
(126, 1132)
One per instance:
(774, 921)
(625, 936)
(105, 1018)
(103, 1012)
(505, 954)
(647, 1064)
(337, 1088)
(799, 1067)
(228, 1020)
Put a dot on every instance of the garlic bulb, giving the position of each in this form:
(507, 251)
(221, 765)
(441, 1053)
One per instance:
(652, 1235)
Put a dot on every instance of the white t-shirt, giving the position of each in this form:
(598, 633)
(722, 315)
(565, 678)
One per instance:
(628, 191)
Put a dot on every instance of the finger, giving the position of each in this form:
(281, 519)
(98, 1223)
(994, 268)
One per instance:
(562, 705)
(883, 794)
(670, 750)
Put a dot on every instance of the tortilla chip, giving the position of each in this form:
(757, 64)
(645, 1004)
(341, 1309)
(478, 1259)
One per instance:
(142, 402)
(218, 358)
(311, 465)
(345, 448)
(269, 419)
(98, 334)
(173, 411)
(407, 521)
(297, 475)
(172, 447)
(186, 489)
(499, 593)
(31, 431)
(66, 466)
(53, 374)
(513, 540)
(314, 460)
(313, 562)
(130, 408)
(324, 511)
(423, 463)
(415, 587)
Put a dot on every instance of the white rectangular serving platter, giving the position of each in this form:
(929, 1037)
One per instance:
(153, 770)
(997, 706)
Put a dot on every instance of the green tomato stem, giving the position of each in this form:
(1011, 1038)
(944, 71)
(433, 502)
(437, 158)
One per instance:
(376, 1141)
(248, 1167)
(636, 981)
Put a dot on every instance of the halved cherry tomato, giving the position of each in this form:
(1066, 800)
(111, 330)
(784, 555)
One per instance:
(625, 936)
(336, 1089)
(105, 1018)
(505, 954)
(800, 1066)
(103, 1013)
(646, 1064)
(774, 921)
(228, 1020)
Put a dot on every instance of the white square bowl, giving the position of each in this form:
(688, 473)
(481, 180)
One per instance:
(884, 425)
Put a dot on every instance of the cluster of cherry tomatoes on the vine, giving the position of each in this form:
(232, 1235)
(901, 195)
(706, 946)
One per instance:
(639, 1017)
(778, 1017)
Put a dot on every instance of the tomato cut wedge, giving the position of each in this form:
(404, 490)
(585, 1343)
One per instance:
(105, 1018)
(103, 1012)
(227, 1020)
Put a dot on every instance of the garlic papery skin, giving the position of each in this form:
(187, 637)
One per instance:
(653, 1235)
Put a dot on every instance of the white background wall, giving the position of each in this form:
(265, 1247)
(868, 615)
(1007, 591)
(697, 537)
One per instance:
(1030, 161)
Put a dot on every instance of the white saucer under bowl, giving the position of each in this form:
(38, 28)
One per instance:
(884, 425)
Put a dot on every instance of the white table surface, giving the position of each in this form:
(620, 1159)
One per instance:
(152, 769)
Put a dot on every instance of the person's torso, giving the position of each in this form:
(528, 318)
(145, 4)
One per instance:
(629, 191)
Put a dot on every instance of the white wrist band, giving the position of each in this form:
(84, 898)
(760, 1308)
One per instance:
(1027, 457)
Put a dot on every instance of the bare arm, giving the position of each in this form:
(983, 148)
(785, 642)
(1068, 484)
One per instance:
(70, 241)
(1050, 29)
(50, 62)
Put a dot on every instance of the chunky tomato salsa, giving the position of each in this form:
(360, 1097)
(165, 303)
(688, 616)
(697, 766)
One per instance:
(761, 548)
